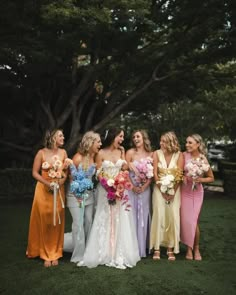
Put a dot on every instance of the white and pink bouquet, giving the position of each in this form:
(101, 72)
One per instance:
(196, 168)
(116, 186)
(57, 168)
(56, 171)
(143, 170)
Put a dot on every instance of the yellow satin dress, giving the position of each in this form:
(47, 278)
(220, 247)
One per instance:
(165, 225)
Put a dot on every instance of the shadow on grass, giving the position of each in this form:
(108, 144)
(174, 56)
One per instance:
(214, 275)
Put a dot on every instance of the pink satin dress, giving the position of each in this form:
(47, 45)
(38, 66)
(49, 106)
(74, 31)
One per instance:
(191, 203)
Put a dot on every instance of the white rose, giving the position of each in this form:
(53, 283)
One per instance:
(110, 182)
(170, 177)
(163, 188)
(171, 185)
(165, 181)
(171, 192)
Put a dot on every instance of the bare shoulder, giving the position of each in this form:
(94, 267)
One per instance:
(204, 158)
(150, 154)
(101, 154)
(130, 152)
(155, 154)
(77, 158)
(64, 153)
(41, 152)
(181, 154)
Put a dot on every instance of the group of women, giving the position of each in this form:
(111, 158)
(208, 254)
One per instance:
(159, 210)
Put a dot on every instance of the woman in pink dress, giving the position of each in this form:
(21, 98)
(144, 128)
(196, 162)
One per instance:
(196, 171)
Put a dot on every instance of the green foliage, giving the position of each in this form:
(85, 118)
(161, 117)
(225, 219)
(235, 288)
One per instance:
(54, 54)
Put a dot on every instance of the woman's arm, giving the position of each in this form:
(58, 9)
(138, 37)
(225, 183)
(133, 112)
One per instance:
(180, 165)
(155, 167)
(208, 177)
(37, 168)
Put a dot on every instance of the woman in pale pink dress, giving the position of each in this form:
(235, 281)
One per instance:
(192, 194)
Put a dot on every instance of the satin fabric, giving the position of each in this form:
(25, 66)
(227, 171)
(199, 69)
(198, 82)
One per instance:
(141, 211)
(191, 204)
(46, 240)
(165, 225)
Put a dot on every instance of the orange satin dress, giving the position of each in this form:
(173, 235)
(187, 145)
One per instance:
(46, 239)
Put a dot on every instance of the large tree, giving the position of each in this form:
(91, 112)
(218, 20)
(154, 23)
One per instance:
(78, 64)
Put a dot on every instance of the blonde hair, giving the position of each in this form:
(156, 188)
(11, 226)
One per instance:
(146, 140)
(50, 138)
(87, 141)
(202, 148)
(172, 143)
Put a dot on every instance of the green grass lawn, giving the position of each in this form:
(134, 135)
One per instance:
(216, 274)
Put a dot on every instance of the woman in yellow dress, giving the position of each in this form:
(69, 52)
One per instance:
(165, 225)
(46, 228)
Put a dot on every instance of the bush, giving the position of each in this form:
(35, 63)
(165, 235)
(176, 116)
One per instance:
(16, 183)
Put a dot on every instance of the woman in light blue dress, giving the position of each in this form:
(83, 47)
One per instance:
(80, 198)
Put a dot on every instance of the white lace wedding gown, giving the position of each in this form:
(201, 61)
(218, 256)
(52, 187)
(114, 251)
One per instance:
(112, 239)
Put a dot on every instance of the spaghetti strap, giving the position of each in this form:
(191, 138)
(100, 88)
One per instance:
(43, 156)
(65, 154)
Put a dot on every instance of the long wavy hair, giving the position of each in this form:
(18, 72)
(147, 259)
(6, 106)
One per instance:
(172, 143)
(146, 140)
(87, 141)
(110, 135)
(202, 148)
(50, 138)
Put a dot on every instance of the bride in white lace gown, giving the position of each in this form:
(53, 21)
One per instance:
(112, 240)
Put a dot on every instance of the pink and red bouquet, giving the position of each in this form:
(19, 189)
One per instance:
(143, 170)
(116, 187)
(196, 168)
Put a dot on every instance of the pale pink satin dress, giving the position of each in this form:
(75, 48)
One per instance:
(191, 203)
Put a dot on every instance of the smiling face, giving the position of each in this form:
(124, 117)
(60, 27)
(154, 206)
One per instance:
(163, 143)
(191, 145)
(58, 138)
(118, 139)
(96, 145)
(137, 139)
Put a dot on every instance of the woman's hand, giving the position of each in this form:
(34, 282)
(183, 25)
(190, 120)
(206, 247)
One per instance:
(137, 189)
(167, 197)
(199, 180)
(187, 179)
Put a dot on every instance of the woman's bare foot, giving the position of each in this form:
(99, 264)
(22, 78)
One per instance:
(170, 254)
(156, 255)
(47, 263)
(55, 262)
(197, 255)
(189, 254)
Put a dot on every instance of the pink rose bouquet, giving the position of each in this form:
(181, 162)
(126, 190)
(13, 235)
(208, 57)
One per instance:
(116, 186)
(143, 170)
(196, 168)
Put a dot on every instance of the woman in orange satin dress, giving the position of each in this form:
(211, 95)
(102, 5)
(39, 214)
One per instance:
(46, 228)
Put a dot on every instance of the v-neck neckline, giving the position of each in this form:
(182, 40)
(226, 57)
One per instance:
(167, 165)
